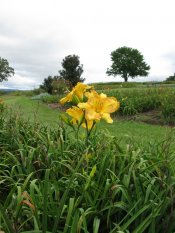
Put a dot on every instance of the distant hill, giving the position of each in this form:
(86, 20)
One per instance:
(8, 90)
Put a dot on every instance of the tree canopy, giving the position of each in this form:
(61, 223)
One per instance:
(72, 70)
(5, 70)
(47, 83)
(128, 62)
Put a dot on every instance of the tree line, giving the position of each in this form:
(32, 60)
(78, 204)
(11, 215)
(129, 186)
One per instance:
(126, 63)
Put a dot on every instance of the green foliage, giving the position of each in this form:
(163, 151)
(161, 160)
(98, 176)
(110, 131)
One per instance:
(133, 101)
(136, 101)
(50, 99)
(37, 91)
(52, 182)
(28, 93)
(171, 78)
(47, 84)
(41, 96)
(168, 112)
(60, 86)
(2, 107)
(5, 70)
(114, 85)
(168, 108)
(128, 62)
(2, 92)
(72, 70)
(46, 98)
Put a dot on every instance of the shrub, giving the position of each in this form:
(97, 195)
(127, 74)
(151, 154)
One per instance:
(60, 86)
(50, 99)
(46, 98)
(40, 96)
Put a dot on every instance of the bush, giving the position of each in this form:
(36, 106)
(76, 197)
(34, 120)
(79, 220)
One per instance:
(40, 96)
(46, 98)
(60, 86)
(50, 99)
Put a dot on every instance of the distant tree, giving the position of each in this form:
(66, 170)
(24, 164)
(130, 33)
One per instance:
(72, 70)
(5, 70)
(171, 78)
(47, 84)
(128, 62)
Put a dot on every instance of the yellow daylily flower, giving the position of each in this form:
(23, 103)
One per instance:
(77, 115)
(77, 93)
(99, 106)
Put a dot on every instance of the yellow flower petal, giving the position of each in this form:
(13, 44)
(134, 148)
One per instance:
(103, 95)
(80, 89)
(91, 94)
(68, 98)
(77, 114)
(110, 104)
(77, 93)
(90, 114)
(84, 105)
(107, 118)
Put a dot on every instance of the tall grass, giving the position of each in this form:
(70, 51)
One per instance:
(51, 181)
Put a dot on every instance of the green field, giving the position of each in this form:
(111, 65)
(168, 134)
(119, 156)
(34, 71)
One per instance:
(32, 109)
(125, 130)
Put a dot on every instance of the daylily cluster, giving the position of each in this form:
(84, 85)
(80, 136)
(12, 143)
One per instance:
(91, 106)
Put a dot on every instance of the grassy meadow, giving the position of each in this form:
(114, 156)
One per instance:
(120, 179)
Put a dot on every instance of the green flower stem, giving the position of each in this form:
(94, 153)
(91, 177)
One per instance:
(88, 132)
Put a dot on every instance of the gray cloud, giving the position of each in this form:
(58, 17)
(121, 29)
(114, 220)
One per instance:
(36, 35)
(171, 57)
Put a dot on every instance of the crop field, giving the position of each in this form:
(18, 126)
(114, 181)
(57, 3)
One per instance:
(57, 176)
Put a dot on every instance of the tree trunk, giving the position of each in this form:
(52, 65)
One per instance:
(125, 76)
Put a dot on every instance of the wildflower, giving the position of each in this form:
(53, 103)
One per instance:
(77, 94)
(99, 106)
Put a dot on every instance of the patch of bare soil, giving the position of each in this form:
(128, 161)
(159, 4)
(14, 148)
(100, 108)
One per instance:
(152, 117)
(57, 106)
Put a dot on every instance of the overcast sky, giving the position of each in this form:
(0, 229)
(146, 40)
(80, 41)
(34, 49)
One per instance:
(35, 36)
